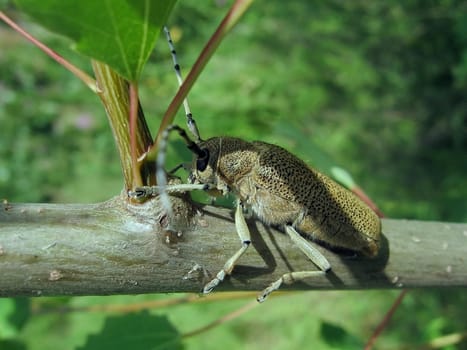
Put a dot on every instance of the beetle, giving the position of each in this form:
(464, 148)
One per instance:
(281, 190)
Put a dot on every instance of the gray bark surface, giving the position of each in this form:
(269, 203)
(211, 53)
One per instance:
(120, 248)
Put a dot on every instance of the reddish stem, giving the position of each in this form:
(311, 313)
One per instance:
(232, 17)
(358, 191)
(133, 113)
(383, 324)
(85, 78)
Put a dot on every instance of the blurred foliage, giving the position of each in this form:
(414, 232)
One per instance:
(321, 320)
(376, 87)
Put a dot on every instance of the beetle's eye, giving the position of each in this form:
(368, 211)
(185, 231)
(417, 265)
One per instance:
(203, 160)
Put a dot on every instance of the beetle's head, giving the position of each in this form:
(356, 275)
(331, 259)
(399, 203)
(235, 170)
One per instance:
(204, 165)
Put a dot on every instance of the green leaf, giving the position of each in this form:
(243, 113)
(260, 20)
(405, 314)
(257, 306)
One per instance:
(338, 337)
(14, 314)
(7, 308)
(343, 176)
(22, 312)
(12, 344)
(141, 331)
(120, 33)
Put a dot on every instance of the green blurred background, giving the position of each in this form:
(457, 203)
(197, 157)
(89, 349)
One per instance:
(377, 88)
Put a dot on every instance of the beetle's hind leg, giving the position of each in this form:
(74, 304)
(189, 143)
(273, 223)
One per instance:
(312, 253)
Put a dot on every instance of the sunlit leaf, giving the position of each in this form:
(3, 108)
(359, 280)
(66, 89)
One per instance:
(7, 308)
(22, 312)
(121, 33)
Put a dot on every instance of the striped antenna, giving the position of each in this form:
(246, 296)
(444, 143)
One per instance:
(161, 176)
(189, 117)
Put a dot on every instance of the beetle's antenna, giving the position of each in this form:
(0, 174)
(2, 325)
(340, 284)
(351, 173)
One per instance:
(160, 173)
(191, 145)
(161, 176)
(189, 116)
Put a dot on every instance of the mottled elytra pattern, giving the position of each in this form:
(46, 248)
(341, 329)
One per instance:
(282, 189)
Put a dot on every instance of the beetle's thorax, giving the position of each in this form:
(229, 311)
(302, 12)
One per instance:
(230, 160)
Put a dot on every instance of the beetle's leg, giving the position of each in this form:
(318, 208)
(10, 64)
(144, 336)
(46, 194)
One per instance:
(152, 191)
(312, 253)
(305, 246)
(185, 166)
(244, 234)
(288, 278)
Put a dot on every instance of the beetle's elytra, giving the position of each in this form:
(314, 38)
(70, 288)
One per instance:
(282, 190)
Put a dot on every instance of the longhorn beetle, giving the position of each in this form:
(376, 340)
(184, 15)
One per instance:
(280, 189)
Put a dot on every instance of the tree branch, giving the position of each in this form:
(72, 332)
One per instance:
(118, 247)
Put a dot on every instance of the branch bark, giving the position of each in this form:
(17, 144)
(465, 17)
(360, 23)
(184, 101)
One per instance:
(118, 247)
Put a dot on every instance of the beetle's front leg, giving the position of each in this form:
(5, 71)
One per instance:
(152, 191)
(244, 234)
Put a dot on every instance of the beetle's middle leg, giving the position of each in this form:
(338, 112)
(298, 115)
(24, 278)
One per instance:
(244, 234)
(312, 253)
